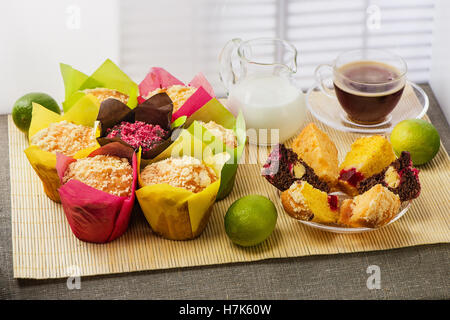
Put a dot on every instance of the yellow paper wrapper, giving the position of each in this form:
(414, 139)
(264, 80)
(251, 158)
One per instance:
(84, 112)
(176, 213)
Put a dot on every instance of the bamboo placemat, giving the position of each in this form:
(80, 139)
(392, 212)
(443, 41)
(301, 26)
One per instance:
(44, 246)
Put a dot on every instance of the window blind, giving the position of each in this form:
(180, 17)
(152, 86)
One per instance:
(186, 37)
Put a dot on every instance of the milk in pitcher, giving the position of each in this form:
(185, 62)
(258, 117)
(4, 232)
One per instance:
(269, 102)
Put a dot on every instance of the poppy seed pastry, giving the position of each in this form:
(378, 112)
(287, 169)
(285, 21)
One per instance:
(104, 93)
(367, 157)
(226, 135)
(372, 209)
(110, 174)
(186, 172)
(400, 177)
(177, 93)
(284, 167)
(64, 137)
(304, 202)
(319, 152)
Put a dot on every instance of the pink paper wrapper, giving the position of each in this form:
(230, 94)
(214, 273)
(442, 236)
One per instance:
(160, 78)
(94, 215)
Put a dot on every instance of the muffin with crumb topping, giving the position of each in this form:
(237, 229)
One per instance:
(98, 192)
(50, 133)
(226, 135)
(177, 191)
(177, 93)
(110, 174)
(64, 137)
(187, 172)
(104, 93)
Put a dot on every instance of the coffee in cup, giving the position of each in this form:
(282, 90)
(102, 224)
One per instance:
(367, 89)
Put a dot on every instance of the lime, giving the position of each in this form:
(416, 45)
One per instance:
(419, 137)
(250, 220)
(23, 108)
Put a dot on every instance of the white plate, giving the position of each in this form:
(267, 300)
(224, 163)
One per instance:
(413, 104)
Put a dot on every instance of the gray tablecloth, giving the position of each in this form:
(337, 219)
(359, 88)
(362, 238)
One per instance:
(421, 272)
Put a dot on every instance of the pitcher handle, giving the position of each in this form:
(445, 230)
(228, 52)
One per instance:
(320, 80)
(227, 73)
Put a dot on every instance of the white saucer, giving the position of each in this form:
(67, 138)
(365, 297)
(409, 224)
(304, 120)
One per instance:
(413, 104)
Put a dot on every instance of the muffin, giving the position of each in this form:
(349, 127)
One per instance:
(400, 177)
(98, 192)
(368, 156)
(147, 126)
(304, 202)
(186, 172)
(284, 167)
(139, 134)
(64, 137)
(177, 93)
(372, 209)
(226, 135)
(319, 152)
(104, 93)
(110, 174)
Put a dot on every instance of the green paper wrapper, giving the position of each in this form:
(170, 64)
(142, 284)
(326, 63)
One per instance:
(108, 75)
(215, 111)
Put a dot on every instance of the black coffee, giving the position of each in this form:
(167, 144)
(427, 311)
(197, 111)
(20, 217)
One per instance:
(368, 90)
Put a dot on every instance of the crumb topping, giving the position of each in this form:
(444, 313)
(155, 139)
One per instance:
(177, 93)
(110, 174)
(186, 172)
(376, 206)
(226, 135)
(104, 93)
(64, 137)
(295, 191)
(138, 134)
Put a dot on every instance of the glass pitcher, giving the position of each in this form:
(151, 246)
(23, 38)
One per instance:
(258, 75)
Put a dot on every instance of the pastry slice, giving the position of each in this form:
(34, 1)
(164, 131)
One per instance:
(319, 152)
(400, 177)
(372, 209)
(284, 167)
(367, 157)
(304, 202)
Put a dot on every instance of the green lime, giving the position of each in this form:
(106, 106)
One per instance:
(250, 220)
(419, 137)
(23, 108)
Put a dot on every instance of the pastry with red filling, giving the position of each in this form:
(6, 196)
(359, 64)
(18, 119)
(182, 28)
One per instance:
(304, 202)
(284, 167)
(400, 177)
(368, 156)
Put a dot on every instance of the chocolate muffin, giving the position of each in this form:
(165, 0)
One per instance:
(284, 167)
(400, 177)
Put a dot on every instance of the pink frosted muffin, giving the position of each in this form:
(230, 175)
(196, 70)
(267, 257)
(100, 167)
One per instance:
(139, 134)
